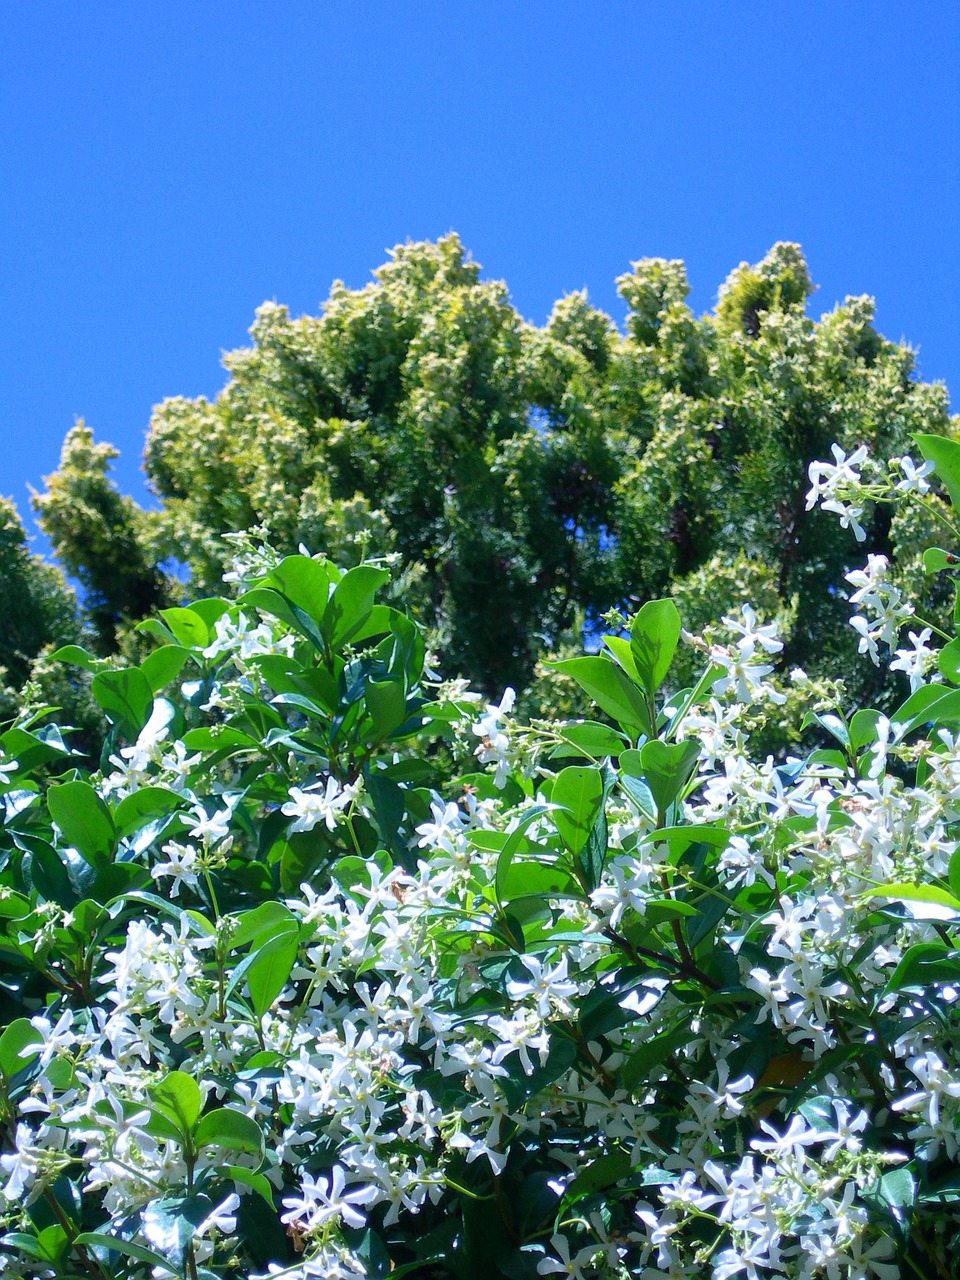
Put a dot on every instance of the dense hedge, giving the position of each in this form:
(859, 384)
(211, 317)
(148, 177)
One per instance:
(328, 968)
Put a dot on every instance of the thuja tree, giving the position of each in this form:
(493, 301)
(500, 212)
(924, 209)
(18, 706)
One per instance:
(331, 969)
(526, 477)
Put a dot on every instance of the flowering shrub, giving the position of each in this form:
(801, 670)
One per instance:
(330, 970)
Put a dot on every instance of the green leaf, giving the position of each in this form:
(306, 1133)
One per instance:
(126, 698)
(579, 790)
(23, 1243)
(948, 660)
(351, 603)
(623, 656)
(611, 690)
(163, 665)
(84, 820)
(49, 874)
(113, 1244)
(514, 841)
(386, 705)
(256, 1181)
(835, 725)
(654, 634)
(863, 728)
(945, 456)
(140, 807)
(588, 738)
(187, 627)
(667, 767)
(178, 1096)
(606, 1171)
(935, 560)
(260, 923)
(269, 968)
(76, 657)
(171, 1223)
(656, 1050)
(924, 902)
(17, 1037)
(930, 704)
(924, 964)
(527, 876)
(230, 1129)
(306, 583)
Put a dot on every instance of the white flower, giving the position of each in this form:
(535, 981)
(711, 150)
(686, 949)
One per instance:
(916, 661)
(494, 742)
(914, 477)
(566, 1265)
(181, 864)
(327, 1198)
(827, 478)
(309, 807)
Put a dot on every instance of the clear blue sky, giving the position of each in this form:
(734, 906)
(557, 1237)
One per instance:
(164, 168)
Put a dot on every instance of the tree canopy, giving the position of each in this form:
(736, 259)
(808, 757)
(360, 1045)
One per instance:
(528, 478)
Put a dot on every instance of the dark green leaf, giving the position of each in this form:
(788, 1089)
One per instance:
(83, 819)
(667, 767)
(140, 807)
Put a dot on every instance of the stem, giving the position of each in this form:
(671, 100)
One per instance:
(89, 1263)
(210, 890)
(688, 970)
(932, 510)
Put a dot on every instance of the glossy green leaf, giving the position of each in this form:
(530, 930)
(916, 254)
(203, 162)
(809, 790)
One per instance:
(140, 807)
(667, 767)
(945, 456)
(76, 657)
(97, 1240)
(261, 923)
(588, 738)
(611, 690)
(163, 665)
(579, 791)
(84, 820)
(948, 660)
(306, 583)
(170, 1224)
(187, 627)
(19, 1045)
(925, 902)
(923, 964)
(606, 1171)
(351, 603)
(178, 1096)
(269, 968)
(231, 1130)
(126, 698)
(935, 560)
(863, 728)
(654, 635)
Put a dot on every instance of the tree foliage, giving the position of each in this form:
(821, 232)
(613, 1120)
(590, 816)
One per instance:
(526, 476)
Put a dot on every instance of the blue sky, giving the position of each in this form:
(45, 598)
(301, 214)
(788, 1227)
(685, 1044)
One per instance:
(164, 168)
